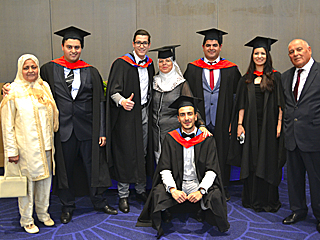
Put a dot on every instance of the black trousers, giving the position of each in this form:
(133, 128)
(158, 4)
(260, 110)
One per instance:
(298, 163)
(72, 150)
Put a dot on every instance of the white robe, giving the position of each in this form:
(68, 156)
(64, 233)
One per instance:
(27, 128)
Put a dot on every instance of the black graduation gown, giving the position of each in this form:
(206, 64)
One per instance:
(172, 158)
(261, 159)
(100, 172)
(125, 152)
(228, 86)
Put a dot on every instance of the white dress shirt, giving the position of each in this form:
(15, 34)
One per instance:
(303, 76)
(216, 72)
(76, 82)
(144, 80)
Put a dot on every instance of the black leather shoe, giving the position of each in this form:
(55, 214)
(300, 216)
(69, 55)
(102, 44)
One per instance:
(65, 217)
(124, 205)
(293, 218)
(142, 197)
(108, 210)
(227, 194)
(166, 216)
(318, 227)
(200, 216)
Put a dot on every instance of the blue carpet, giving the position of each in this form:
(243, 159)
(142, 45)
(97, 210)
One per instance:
(89, 224)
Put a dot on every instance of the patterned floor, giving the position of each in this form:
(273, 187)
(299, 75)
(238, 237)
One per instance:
(89, 224)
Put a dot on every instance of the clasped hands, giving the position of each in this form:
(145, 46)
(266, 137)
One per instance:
(181, 196)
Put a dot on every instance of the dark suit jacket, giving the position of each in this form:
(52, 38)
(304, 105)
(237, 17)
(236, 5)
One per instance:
(76, 115)
(302, 118)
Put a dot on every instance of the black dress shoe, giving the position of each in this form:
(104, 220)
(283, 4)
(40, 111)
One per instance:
(65, 217)
(200, 216)
(124, 205)
(227, 194)
(293, 218)
(318, 227)
(166, 216)
(142, 197)
(108, 210)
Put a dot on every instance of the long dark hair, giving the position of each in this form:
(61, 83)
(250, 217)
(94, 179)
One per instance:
(267, 77)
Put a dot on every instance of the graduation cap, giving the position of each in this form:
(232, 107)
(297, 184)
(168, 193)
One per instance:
(212, 34)
(166, 51)
(73, 33)
(184, 101)
(264, 42)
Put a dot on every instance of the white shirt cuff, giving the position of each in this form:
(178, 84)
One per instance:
(168, 180)
(208, 180)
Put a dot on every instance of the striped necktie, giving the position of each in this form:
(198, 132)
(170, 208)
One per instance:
(69, 80)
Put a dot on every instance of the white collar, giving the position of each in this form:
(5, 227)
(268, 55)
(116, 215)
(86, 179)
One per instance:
(136, 58)
(308, 66)
(207, 61)
(194, 131)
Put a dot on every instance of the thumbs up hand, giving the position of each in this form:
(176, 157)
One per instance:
(128, 104)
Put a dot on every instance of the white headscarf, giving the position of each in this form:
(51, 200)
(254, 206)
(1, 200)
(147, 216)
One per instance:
(21, 62)
(39, 90)
(166, 82)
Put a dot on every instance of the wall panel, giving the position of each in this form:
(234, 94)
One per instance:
(176, 22)
(24, 28)
(27, 26)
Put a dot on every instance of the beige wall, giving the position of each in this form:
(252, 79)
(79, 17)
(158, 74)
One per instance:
(27, 26)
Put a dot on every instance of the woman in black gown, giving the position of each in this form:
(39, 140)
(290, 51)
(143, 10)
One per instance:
(259, 118)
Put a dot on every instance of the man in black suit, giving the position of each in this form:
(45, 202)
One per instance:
(301, 86)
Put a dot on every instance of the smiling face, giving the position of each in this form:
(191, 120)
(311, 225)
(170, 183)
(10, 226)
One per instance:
(141, 45)
(165, 65)
(187, 118)
(259, 56)
(30, 70)
(299, 53)
(211, 50)
(71, 50)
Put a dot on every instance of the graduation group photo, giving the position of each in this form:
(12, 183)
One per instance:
(159, 119)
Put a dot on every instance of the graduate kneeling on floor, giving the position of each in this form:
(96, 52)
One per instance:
(187, 176)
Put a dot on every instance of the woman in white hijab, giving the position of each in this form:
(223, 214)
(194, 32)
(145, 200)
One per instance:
(29, 117)
(168, 85)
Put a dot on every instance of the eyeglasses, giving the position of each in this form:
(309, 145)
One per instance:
(144, 44)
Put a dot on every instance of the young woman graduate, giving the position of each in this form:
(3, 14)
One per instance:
(258, 116)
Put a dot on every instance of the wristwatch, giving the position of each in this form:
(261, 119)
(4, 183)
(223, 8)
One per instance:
(202, 191)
